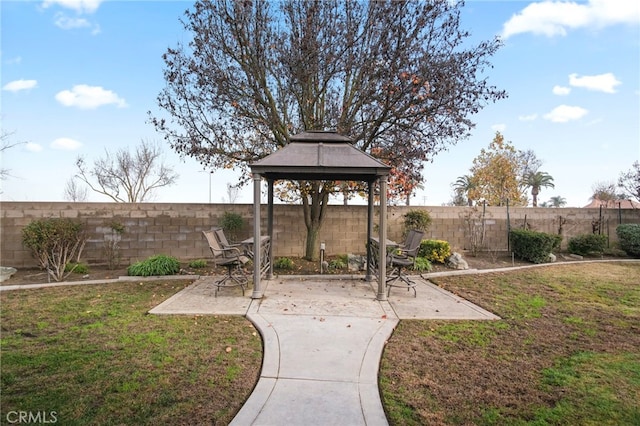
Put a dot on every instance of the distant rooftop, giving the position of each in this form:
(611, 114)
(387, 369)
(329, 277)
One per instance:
(613, 204)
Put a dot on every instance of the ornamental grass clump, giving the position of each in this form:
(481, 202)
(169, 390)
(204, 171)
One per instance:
(283, 263)
(155, 265)
(198, 264)
(422, 264)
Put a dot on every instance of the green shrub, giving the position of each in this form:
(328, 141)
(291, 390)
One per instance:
(417, 219)
(283, 263)
(434, 250)
(422, 265)
(198, 264)
(231, 223)
(54, 242)
(533, 246)
(587, 243)
(155, 265)
(77, 268)
(338, 263)
(629, 238)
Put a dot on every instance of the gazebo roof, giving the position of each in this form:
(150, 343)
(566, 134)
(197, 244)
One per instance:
(320, 155)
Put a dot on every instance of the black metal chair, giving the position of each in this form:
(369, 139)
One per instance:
(230, 257)
(402, 258)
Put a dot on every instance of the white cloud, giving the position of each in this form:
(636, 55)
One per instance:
(89, 97)
(561, 90)
(565, 113)
(602, 83)
(66, 144)
(499, 127)
(67, 23)
(80, 6)
(553, 18)
(33, 147)
(18, 85)
(529, 117)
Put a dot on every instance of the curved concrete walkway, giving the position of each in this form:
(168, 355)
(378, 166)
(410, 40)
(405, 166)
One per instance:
(321, 358)
(323, 339)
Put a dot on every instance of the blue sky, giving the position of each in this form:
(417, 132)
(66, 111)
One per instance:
(78, 77)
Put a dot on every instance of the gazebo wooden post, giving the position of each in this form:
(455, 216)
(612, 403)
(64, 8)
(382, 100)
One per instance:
(382, 264)
(257, 288)
(369, 275)
(270, 227)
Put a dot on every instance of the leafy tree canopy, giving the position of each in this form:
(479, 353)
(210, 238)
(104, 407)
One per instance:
(496, 173)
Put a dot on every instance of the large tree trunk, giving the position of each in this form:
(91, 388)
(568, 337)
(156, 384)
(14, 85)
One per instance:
(314, 204)
(311, 247)
(534, 196)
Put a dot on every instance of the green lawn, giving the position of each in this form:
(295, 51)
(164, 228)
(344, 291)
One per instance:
(567, 352)
(92, 355)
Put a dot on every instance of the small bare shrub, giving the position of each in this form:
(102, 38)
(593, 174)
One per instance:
(474, 228)
(112, 244)
(55, 242)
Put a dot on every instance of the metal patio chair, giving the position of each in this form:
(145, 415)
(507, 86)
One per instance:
(230, 257)
(400, 259)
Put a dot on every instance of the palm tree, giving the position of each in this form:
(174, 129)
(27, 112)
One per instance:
(537, 181)
(463, 185)
(557, 201)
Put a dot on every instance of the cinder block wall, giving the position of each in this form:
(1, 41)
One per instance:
(176, 229)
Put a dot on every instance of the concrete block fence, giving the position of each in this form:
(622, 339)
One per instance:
(176, 229)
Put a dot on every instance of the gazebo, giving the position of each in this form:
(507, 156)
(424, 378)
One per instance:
(320, 155)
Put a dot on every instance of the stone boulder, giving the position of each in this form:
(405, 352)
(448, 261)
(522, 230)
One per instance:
(356, 262)
(456, 261)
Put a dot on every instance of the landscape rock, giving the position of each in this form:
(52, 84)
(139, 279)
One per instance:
(552, 257)
(456, 261)
(356, 262)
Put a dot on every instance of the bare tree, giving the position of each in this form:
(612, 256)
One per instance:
(5, 144)
(74, 192)
(128, 177)
(233, 192)
(399, 78)
(605, 192)
(529, 163)
(629, 181)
